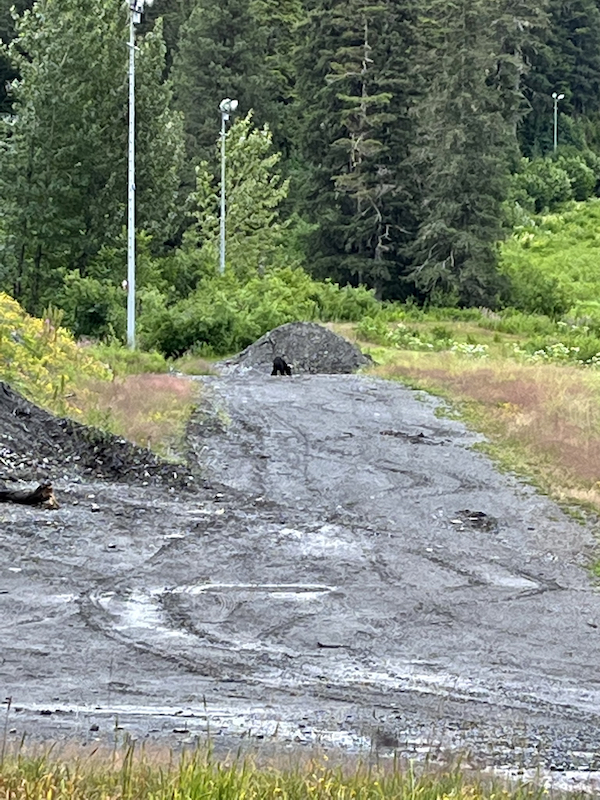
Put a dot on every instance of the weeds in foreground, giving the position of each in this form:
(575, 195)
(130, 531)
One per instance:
(198, 775)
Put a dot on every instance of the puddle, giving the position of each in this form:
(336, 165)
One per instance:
(251, 722)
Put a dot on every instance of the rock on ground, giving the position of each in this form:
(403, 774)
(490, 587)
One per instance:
(306, 346)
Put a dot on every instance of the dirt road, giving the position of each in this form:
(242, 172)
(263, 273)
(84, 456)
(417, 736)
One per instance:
(351, 572)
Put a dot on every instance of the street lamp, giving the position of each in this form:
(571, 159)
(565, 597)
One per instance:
(226, 107)
(556, 97)
(136, 8)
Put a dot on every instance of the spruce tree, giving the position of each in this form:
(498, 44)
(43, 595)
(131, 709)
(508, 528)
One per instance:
(239, 49)
(463, 153)
(354, 99)
(8, 73)
(222, 51)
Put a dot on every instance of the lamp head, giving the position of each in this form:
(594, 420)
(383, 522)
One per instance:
(228, 106)
(137, 9)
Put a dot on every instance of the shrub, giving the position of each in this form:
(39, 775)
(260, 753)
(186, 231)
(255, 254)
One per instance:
(123, 361)
(537, 293)
(225, 314)
(41, 360)
(93, 307)
(541, 184)
(581, 177)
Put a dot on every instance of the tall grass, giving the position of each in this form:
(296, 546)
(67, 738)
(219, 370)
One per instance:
(151, 410)
(542, 419)
(200, 777)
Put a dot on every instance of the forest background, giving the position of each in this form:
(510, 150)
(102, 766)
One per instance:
(382, 151)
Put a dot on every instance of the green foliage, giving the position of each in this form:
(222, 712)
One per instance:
(541, 184)
(41, 360)
(200, 776)
(225, 314)
(63, 184)
(582, 178)
(553, 261)
(255, 233)
(122, 361)
(221, 53)
(537, 293)
(544, 184)
(93, 307)
(355, 92)
(159, 142)
(463, 151)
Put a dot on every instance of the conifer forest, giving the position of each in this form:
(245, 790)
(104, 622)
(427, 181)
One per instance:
(381, 150)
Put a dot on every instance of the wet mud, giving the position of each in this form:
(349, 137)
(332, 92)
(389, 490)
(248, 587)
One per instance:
(317, 575)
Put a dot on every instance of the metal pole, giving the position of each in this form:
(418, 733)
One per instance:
(131, 194)
(224, 118)
(555, 122)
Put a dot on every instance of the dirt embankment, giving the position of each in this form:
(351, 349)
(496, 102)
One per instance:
(36, 445)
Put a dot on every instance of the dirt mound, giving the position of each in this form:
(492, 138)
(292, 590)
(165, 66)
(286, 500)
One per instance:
(307, 347)
(35, 445)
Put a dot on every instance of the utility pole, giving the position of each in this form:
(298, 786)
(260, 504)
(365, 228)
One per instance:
(556, 97)
(136, 8)
(134, 18)
(226, 107)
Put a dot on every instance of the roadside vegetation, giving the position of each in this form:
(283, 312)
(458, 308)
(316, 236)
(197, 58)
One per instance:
(530, 384)
(197, 775)
(126, 393)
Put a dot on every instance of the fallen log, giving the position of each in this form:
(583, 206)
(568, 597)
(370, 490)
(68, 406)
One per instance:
(43, 495)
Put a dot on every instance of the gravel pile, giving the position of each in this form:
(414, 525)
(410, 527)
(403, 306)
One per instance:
(306, 346)
(36, 445)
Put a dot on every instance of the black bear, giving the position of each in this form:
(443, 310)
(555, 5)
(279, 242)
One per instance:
(280, 367)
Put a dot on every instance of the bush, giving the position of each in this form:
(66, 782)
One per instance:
(552, 262)
(41, 360)
(537, 293)
(542, 184)
(581, 177)
(225, 315)
(93, 307)
(123, 361)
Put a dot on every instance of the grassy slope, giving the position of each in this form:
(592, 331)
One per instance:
(565, 246)
(92, 385)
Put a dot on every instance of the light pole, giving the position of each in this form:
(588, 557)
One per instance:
(226, 107)
(136, 8)
(556, 97)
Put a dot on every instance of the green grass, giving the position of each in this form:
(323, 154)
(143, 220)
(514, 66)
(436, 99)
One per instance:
(199, 776)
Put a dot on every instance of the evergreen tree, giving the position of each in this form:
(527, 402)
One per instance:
(63, 186)
(255, 190)
(238, 49)
(354, 97)
(463, 154)
(159, 142)
(221, 54)
(8, 8)
(518, 28)
(174, 14)
(567, 60)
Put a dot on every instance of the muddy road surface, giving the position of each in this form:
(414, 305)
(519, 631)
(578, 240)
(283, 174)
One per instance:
(346, 569)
